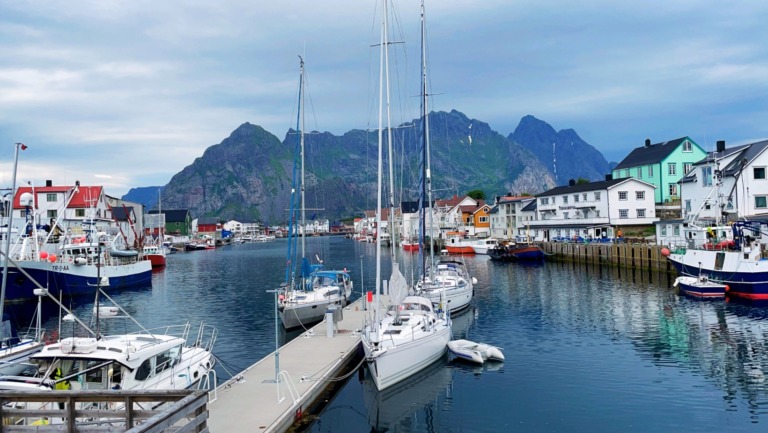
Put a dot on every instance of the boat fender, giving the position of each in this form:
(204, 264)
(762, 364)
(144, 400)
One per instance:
(727, 288)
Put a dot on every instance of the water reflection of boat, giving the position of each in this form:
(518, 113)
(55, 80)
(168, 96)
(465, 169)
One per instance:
(417, 393)
(462, 322)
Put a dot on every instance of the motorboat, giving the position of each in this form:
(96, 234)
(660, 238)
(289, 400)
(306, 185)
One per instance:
(701, 287)
(475, 352)
(481, 246)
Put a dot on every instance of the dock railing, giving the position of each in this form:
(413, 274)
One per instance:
(147, 411)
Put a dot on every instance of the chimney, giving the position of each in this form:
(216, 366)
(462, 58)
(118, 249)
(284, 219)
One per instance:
(608, 176)
(48, 183)
(647, 142)
(720, 146)
(571, 182)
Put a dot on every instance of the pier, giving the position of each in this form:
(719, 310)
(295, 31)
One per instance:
(308, 364)
(628, 255)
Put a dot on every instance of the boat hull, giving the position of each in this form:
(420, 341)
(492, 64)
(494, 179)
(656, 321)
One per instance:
(513, 254)
(693, 286)
(303, 315)
(157, 260)
(68, 279)
(745, 278)
(404, 360)
(460, 250)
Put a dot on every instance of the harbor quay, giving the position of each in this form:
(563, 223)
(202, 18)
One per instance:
(309, 365)
(629, 255)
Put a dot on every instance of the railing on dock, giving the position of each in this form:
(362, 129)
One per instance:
(104, 411)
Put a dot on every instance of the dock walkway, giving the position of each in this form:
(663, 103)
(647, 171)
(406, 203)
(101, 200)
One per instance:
(251, 401)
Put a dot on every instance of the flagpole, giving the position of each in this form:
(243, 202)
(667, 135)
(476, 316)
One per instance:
(8, 229)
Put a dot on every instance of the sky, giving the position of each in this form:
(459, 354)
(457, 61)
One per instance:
(127, 93)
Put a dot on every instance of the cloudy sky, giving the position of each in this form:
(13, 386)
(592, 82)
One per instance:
(127, 93)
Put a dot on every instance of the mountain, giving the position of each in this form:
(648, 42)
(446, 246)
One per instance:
(249, 174)
(146, 195)
(563, 152)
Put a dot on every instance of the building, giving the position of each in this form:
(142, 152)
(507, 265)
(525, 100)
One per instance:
(210, 226)
(594, 210)
(506, 217)
(178, 222)
(662, 165)
(66, 206)
(727, 180)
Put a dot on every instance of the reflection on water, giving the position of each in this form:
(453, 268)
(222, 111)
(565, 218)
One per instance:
(587, 348)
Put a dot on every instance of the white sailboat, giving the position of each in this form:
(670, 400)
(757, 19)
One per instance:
(410, 334)
(307, 297)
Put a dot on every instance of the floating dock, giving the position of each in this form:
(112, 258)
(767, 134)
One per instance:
(311, 362)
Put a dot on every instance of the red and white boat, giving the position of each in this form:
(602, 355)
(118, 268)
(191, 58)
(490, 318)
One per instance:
(155, 254)
(411, 245)
(456, 243)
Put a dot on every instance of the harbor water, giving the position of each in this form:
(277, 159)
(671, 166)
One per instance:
(587, 349)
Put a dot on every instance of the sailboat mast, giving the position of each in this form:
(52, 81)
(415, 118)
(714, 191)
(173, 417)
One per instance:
(301, 187)
(391, 223)
(380, 170)
(428, 168)
(289, 269)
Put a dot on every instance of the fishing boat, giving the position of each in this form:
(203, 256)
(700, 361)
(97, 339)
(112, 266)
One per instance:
(524, 252)
(458, 243)
(475, 352)
(411, 334)
(307, 295)
(155, 254)
(701, 287)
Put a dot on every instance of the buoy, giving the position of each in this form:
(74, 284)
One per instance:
(665, 252)
(52, 258)
(43, 255)
(281, 297)
(369, 297)
(727, 288)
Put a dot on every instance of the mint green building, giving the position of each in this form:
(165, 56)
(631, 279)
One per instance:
(661, 164)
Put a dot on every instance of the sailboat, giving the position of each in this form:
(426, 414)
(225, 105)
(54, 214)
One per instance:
(411, 334)
(447, 281)
(154, 250)
(307, 297)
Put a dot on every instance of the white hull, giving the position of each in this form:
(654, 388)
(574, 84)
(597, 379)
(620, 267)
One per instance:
(296, 315)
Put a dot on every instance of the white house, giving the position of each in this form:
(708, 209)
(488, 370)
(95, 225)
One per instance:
(506, 216)
(593, 209)
(727, 180)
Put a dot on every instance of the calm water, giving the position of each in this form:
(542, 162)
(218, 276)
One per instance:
(587, 350)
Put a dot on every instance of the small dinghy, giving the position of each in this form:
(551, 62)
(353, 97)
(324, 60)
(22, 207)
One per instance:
(475, 352)
(701, 287)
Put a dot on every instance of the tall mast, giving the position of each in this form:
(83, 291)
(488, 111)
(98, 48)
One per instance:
(391, 224)
(425, 113)
(380, 168)
(301, 135)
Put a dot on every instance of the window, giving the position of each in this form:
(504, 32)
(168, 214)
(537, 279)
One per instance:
(759, 173)
(51, 213)
(687, 205)
(597, 196)
(584, 196)
(639, 172)
(575, 198)
(677, 230)
(50, 197)
(623, 195)
(565, 215)
(483, 219)
(623, 213)
(597, 214)
(639, 195)
(687, 147)
(641, 213)
(673, 189)
(664, 230)
(687, 167)
(760, 202)
(672, 170)
(565, 199)
(544, 200)
(650, 171)
(79, 212)
(706, 176)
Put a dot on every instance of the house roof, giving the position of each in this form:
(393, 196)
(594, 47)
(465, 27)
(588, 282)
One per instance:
(530, 207)
(173, 215)
(494, 210)
(513, 199)
(591, 186)
(749, 154)
(451, 202)
(205, 221)
(479, 208)
(653, 154)
(85, 196)
(119, 214)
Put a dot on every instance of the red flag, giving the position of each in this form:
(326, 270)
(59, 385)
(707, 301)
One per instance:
(23, 146)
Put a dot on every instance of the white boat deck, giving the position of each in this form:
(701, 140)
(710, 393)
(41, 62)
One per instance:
(253, 404)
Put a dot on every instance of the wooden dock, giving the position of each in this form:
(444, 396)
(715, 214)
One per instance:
(628, 255)
(310, 363)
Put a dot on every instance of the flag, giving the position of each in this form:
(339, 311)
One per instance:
(23, 146)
